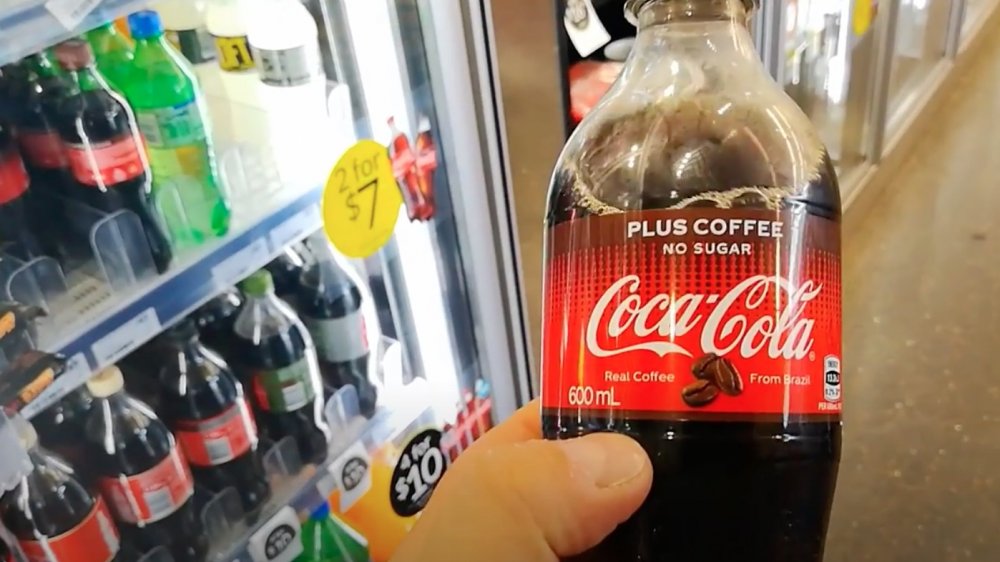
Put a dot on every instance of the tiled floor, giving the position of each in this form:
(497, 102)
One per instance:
(920, 478)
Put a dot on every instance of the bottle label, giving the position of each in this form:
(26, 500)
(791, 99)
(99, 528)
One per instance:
(339, 340)
(43, 149)
(289, 67)
(95, 539)
(719, 314)
(219, 439)
(233, 53)
(150, 496)
(170, 127)
(13, 177)
(106, 163)
(288, 389)
(195, 44)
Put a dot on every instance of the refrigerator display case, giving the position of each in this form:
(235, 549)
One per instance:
(350, 150)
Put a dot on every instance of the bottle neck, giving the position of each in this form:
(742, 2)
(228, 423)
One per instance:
(85, 79)
(658, 12)
(687, 38)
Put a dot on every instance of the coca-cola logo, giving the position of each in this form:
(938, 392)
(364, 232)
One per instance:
(780, 329)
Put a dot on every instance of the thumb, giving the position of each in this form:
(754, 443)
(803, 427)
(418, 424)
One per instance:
(531, 501)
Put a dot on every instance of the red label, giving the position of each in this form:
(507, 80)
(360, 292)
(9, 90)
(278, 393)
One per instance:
(152, 495)
(695, 313)
(95, 539)
(106, 163)
(13, 177)
(43, 149)
(219, 439)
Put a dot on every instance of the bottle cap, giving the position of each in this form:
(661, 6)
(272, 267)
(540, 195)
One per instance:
(258, 284)
(632, 8)
(74, 54)
(107, 382)
(322, 512)
(145, 24)
(185, 330)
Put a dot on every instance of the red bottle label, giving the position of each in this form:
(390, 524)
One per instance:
(219, 439)
(95, 539)
(694, 314)
(152, 495)
(13, 177)
(43, 148)
(106, 163)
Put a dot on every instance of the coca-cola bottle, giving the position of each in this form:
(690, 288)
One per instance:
(692, 294)
(141, 472)
(329, 302)
(18, 219)
(40, 143)
(53, 515)
(108, 166)
(404, 168)
(204, 405)
(426, 156)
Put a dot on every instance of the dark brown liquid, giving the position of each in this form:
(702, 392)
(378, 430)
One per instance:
(722, 491)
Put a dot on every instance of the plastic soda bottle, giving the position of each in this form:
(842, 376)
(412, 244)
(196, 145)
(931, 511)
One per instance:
(172, 118)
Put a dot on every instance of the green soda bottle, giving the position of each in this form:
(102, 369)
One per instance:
(325, 539)
(171, 114)
(113, 52)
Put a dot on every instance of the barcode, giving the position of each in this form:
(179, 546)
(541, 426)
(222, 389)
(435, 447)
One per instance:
(218, 450)
(294, 396)
(159, 502)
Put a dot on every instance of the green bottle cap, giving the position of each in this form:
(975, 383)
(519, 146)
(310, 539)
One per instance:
(258, 284)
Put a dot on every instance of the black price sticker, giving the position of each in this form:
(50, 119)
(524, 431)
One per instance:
(420, 467)
(278, 540)
(361, 201)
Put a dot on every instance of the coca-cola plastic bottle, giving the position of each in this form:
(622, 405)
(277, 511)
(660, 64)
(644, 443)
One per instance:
(107, 161)
(141, 472)
(404, 167)
(18, 211)
(692, 294)
(53, 515)
(204, 405)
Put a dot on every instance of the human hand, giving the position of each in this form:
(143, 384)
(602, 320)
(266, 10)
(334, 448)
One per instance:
(513, 497)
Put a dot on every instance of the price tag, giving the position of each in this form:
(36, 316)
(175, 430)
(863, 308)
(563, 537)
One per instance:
(125, 338)
(278, 540)
(584, 28)
(361, 202)
(295, 228)
(352, 473)
(71, 13)
(421, 465)
(240, 265)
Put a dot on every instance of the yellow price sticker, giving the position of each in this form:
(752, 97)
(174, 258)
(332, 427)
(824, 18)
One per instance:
(361, 201)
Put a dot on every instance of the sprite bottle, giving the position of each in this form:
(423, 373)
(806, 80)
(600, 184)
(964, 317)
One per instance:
(114, 53)
(171, 115)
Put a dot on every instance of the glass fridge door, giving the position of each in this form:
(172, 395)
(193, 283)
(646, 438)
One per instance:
(417, 74)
